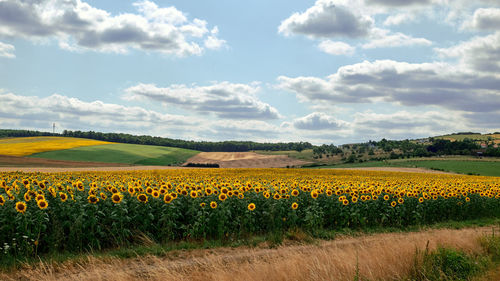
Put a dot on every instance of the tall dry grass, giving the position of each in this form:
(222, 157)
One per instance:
(375, 257)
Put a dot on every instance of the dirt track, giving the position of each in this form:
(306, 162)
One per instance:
(380, 257)
(245, 160)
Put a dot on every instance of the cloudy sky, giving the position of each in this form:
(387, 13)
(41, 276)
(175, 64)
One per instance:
(325, 71)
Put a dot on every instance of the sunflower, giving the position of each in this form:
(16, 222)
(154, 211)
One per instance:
(251, 206)
(42, 204)
(345, 202)
(354, 199)
(93, 199)
(142, 198)
(276, 196)
(40, 197)
(168, 198)
(329, 192)
(213, 204)
(393, 204)
(193, 194)
(21, 207)
(2, 200)
(295, 192)
(27, 197)
(420, 200)
(208, 191)
(155, 193)
(114, 190)
(222, 197)
(314, 194)
(63, 196)
(103, 196)
(401, 200)
(467, 199)
(295, 205)
(386, 197)
(117, 198)
(266, 194)
(174, 195)
(203, 204)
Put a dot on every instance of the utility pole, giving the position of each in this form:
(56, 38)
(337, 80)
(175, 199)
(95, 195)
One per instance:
(53, 128)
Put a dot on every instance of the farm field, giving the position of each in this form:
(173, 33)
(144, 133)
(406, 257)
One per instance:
(75, 212)
(30, 145)
(122, 153)
(478, 137)
(246, 160)
(459, 165)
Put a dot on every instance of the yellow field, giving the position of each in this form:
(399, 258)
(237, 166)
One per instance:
(31, 145)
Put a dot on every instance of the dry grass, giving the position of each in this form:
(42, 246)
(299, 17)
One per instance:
(379, 257)
(245, 160)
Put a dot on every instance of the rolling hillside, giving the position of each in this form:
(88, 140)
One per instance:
(29, 145)
(122, 153)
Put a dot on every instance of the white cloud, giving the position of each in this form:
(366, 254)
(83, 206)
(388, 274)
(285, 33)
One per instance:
(327, 19)
(399, 3)
(78, 26)
(399, 18)
(73, 113)
(226, 100)
(479, 53)
(214, 43)
(404, 124)
(7, 50)
(484, 19)
(381, 38)
(336, 48)
(318, 121)
(438, 84)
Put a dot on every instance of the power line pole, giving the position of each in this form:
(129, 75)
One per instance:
(53, 128)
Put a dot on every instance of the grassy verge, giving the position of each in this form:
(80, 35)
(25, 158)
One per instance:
(462, 166)
(271, 240)
(122, 153)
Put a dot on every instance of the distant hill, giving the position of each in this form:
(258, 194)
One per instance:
(206, 146)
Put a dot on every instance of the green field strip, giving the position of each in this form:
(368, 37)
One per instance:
(122, 153)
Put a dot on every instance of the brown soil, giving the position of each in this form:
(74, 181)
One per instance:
(387, 256)
(245, 160)
(16, 161)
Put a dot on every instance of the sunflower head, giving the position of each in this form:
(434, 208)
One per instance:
(213, 204)
(295, 205)
(251, 206)
(193, 194)
(116, 198)
(168, 198)
(42, 204)
(21, 207)
(142, 198)
(222, 197)
(93, 199)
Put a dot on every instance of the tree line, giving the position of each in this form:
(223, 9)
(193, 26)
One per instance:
(207, 146)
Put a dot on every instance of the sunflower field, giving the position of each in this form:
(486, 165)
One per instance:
(80, 211)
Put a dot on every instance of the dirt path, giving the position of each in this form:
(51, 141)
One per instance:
(379, 257)
(245, 160)
(83, 169)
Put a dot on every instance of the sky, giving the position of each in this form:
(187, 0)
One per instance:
(325, 71)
